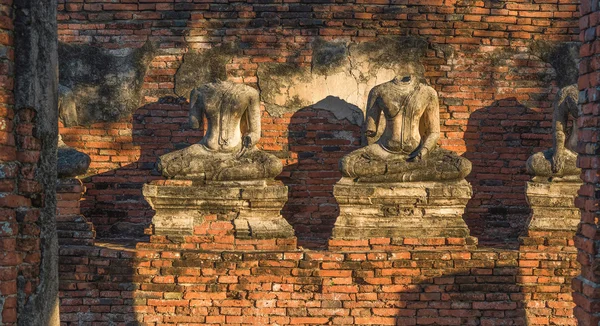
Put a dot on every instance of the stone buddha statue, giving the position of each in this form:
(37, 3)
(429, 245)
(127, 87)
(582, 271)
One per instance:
(227, 152)
(560, 161)
(70, 162)
(407, 149)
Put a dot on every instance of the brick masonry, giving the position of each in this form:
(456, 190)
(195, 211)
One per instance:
(12, 257)
(585, 287)
(495, 98)
(20, 192)
(388, 283)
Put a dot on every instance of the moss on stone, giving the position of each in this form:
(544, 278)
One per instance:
(106, 85)
(563, 57)
(393, 51)
(328, 57)
(203, 67)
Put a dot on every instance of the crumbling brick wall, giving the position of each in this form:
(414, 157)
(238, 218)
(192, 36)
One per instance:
(10, 200)
(585, 286)
(28, 136)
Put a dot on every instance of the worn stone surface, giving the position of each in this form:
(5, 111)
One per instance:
(227, 152)
(340, 76)
(407, 149)
(36, 88)
(561, 160)
(101, 84)
(553, 205)
(254, 210)
(70, 162)
(401, 210)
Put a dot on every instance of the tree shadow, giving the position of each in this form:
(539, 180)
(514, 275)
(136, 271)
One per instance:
(499, 140)
(317, 140)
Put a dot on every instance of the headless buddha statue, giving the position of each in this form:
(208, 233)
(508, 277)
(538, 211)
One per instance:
(407, 150)
(560, 161)
(225, 153)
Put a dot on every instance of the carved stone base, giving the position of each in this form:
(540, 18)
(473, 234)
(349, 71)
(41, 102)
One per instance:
(553, 206)
(254, 210)
(401, 210)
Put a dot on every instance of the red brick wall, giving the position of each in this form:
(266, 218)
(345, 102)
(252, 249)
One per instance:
(386, 284)
(585, 287)
(20, 192)
(10, 199)
(495, 99)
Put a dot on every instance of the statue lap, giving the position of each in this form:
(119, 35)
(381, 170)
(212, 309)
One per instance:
(373, 163)
(540, 164)
(197, 161)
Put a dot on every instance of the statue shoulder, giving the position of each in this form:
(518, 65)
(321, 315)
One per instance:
(428, 91)
(376, 91)
(247, 90)
(566, 92)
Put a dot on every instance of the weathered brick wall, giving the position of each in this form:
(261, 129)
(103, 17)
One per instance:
(21, 191)
(387, 284)
(10, 199)
(495, 94)
(585, 287)
(310, 143)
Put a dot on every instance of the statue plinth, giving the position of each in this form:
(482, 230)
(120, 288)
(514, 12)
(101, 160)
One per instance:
(401, 210)
(253, 209)
(553, 206)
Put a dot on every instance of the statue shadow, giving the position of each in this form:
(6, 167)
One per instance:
(317, 139)
(499, 140)
(114, 200)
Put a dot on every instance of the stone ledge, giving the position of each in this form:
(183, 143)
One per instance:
(402, 210)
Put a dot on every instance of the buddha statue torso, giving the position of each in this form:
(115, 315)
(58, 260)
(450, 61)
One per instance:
(227, 151)
(407, 149)
(560, 161)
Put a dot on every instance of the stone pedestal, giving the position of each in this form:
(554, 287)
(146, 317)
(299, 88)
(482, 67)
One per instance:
(553, 206)
(71, 226)
(401, 210)
(253, 209)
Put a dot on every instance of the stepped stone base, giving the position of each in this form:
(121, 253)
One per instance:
(401, 210)
(72, 227)
(553, 206)
(253, 209)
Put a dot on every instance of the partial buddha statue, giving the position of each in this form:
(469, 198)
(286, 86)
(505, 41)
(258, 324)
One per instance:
(70, 162)
(228, 150)
(560, 161)
(407, 149)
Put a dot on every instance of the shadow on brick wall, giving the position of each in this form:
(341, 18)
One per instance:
(499, 140)
(477, 296)
(117, 207)
(317, 140)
